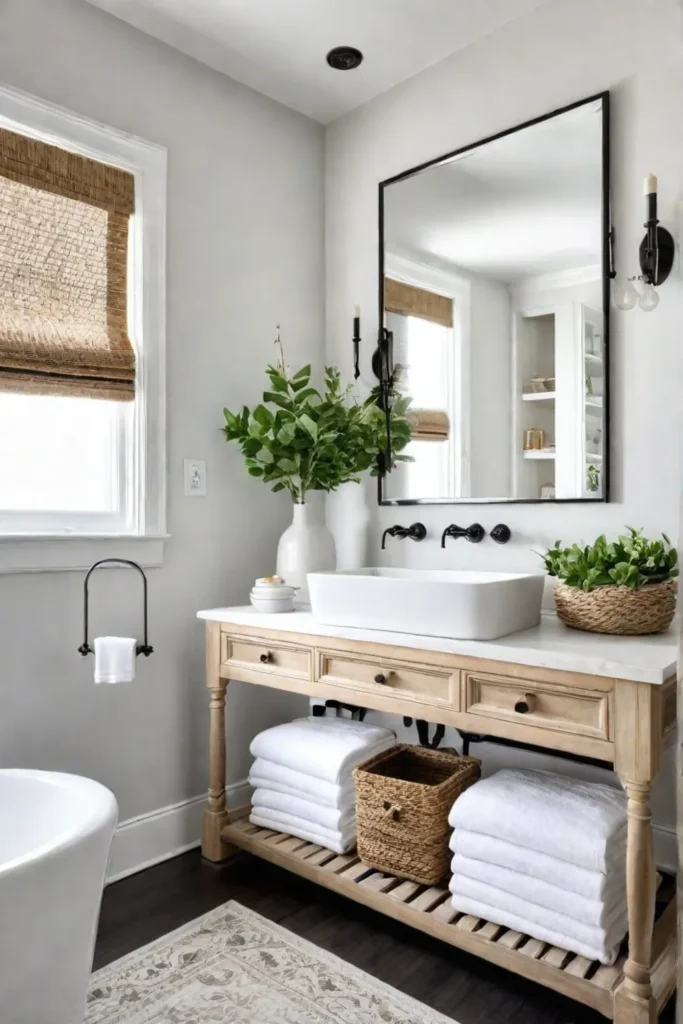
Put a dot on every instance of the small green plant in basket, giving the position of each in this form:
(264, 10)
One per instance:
(631, 561)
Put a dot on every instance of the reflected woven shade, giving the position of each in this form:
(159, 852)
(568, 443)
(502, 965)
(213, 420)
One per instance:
(63, 273)
(429, 425)
(407, 300)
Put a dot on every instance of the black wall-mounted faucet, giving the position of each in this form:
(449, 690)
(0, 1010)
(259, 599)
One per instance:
(474, 533)
(418, 531)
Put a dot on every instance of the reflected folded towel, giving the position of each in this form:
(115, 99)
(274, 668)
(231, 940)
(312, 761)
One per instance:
(115, 659)
(314, 814)
(539, 922)
(580, 822)
(327, 748)
(338, 842)
(600, 913)
(593, 885)
(268, 775)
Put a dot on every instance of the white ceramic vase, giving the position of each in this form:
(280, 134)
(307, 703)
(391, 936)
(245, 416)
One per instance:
(305, 546)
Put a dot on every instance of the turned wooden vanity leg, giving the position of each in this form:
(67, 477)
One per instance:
(214, 848)
(634, 1002)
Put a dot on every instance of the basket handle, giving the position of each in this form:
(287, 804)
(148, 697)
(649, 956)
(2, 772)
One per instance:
(392, 811)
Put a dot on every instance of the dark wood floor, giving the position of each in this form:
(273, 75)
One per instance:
(145, 906)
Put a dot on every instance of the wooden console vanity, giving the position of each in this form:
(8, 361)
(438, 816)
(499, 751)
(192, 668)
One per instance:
(602, 698)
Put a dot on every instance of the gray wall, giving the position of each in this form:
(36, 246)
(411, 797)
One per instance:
(557, 54)
(245, 250)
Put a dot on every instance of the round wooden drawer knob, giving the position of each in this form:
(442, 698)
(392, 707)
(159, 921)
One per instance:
(526, 704)
(265, 658)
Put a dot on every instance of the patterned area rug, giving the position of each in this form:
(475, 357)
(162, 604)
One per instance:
(234, 966)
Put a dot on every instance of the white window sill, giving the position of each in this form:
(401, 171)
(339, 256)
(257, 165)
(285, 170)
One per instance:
(71, 552)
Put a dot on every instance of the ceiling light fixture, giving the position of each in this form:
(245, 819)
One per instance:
(344, 58)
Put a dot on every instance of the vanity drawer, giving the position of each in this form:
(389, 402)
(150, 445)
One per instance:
(275, 659)
(402, 679)
(539, 705)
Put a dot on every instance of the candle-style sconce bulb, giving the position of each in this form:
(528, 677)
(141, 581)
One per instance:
(657, 247)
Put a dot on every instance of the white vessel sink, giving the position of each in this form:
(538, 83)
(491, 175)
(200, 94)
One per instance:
(438, 602)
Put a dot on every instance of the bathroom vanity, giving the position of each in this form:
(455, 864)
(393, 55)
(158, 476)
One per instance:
(599, 697)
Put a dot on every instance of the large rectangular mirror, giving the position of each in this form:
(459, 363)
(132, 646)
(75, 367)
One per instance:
(494, 281)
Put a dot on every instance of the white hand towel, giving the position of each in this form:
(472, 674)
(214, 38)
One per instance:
(593, 885)
(605, 940)
(338, 842)
(115, 659)
(606, 955)
(583, 823)
(314, 814)
(328, 748)
(268, 775)
(600, 913)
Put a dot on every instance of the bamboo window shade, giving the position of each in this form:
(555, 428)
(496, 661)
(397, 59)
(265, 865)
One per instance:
(63, 272)
(407, 300)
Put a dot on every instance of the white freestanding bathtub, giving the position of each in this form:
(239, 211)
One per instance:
(55, 835)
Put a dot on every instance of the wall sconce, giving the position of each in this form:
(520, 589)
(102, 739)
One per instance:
(656, 256)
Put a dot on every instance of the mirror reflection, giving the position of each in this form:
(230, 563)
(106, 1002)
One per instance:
(495, 274)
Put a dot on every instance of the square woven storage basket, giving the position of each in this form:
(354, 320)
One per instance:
(403, 799)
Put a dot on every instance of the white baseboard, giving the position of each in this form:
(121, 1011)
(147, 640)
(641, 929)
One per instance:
(666, 848)
(159, 835)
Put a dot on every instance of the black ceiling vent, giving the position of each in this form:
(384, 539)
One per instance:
(344, 58)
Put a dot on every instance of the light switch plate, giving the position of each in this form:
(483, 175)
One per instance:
(194, 478)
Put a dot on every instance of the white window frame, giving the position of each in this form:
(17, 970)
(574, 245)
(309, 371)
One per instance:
(458, 288)
(60, 550)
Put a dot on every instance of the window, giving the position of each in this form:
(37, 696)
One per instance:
(82, 249)
(428, 311)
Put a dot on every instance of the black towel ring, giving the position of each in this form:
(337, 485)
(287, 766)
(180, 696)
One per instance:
(143, 648)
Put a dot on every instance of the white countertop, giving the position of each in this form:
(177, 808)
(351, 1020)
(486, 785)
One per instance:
(551, 645)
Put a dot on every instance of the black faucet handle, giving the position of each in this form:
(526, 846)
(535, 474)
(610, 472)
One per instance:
(476, 533)
(501, 533)
(418, 531)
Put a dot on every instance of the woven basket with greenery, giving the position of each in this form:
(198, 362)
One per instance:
(627, 587)
(403, 798)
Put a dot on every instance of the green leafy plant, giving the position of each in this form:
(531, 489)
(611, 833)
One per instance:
(631, 561)
(302, 439)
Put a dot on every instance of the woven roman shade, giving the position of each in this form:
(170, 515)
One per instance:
(407, 300)
(63, 272)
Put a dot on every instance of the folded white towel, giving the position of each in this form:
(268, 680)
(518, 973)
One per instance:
(600, 913)
(593, 885)
(536, 931)
(602, 941)
(314, 814)
(328, 748)
(115, 659)
(268, 775)
(583, 823)
(338, 842)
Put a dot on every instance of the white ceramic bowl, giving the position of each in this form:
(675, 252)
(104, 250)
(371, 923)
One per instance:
(271, 603)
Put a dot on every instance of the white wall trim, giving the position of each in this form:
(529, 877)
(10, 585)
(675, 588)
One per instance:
(151, 838)
(666, 847)
(560, 279)
(33, 553)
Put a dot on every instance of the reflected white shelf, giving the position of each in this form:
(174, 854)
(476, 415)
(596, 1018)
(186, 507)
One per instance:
(538, 396)
(594, 401)
(540, 453)
(593, 360)
(594, 458)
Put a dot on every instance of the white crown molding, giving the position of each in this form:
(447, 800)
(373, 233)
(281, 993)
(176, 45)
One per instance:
(561, 279)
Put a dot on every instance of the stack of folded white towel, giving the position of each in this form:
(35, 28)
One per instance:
(544, 855)
(303, 777)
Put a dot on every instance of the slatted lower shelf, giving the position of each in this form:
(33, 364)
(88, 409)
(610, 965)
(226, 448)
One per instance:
(430, 910)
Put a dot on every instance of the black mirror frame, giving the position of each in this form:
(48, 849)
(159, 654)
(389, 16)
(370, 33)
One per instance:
(607, 274)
